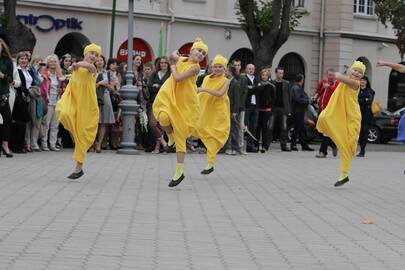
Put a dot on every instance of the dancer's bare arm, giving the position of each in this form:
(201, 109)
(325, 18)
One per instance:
(219, 93)
(397, 67)
(178, 77)
(90, 67)
(352, 83)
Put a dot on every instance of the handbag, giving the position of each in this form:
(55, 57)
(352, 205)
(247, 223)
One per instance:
(100, 95)
(100, 90)
(115, 100)
(3, 100)
(375, 107)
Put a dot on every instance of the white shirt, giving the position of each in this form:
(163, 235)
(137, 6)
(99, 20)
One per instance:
(251, 78)
(253, 98)
(27, 76)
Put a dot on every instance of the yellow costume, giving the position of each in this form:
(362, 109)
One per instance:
(215, 117)
(176, 104)
(77, 109)
(341, 121)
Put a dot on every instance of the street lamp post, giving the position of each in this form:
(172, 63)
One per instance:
(129, 92)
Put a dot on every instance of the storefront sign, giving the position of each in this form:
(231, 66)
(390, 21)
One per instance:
(185, 50)
(47, 23)
(141, 47)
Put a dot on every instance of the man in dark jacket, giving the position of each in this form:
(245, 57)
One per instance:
(281, 108)
(242, 98)
(252, 110)
(299, 102)
(233, 146)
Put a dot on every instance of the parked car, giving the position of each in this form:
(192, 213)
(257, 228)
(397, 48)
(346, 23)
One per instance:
(385, 126)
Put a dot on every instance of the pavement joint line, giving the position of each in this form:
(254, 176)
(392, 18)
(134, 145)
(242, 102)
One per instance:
(322, 264)
(340, 231)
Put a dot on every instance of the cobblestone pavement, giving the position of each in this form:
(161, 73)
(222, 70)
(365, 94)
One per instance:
(263, 211)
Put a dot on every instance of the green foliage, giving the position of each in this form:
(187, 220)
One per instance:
(262, 10)
(393, 11)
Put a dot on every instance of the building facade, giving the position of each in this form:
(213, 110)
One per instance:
(332, 35)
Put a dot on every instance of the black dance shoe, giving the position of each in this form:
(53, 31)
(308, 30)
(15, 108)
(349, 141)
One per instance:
(76, 175)
(342, 182)
(210, 170)
(174, 183)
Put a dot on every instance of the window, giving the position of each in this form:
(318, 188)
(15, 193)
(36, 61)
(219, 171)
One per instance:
(298, 3)
(363, 7)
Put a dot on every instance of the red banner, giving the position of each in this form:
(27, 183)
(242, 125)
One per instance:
(140, 47)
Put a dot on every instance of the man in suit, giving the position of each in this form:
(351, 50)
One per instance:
(281, 107)
(252, 110)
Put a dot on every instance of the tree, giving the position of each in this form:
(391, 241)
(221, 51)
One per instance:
(17, 35)
(393, 11)
(268, 24)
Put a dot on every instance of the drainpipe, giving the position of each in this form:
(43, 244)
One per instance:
(114, 9)
(169, 27)
(322, 40)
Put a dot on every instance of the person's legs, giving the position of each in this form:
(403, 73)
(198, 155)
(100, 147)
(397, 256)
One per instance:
(46, 120)
(241, 132)
(259, 132)
(248, 116)
(323, 149)
(101, 135)
(36, 127)
(363, 140)
(283, 131)
(234, 136)
(253, 123)
(27, 138)
(6, 127)
(262, 128)
(295, 132)
(54, 129)
(272, 123)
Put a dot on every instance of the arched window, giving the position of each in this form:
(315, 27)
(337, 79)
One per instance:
(72, 43)
(245, 56)
(293, 65)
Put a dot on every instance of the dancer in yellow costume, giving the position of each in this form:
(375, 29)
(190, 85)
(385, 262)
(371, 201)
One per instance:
(215, 117)
(77, 110)
(341, 119)
(176, 105)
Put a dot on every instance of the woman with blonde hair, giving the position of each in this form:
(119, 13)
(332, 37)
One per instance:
(20, 113)
(6, 77)
(51, 78)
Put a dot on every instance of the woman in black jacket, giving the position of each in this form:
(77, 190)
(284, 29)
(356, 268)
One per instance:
(265, 96)
(366, 97)
(156, 81)
(21, 114)
(6, 77)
